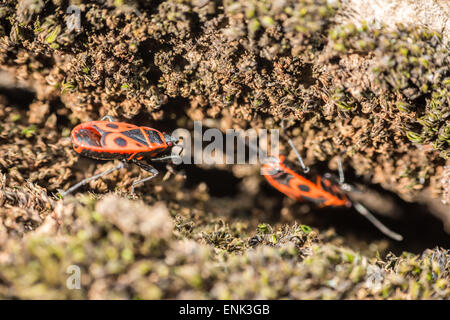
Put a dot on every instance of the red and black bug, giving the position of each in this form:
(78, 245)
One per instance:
(107, 139)
(303, 187)
(323, 190)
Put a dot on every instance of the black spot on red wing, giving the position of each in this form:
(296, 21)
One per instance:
(137, 135)
(317, 201)
(304, 188)
(120, 141)
(153, 136)
(88, 137)
(112, 125)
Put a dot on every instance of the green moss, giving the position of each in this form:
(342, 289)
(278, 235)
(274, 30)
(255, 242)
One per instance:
(68, 86)
(403, 106)
(263, 228)
(411, 62)
(14, 117)
(53, 34)
(30, 131)
(306, 229)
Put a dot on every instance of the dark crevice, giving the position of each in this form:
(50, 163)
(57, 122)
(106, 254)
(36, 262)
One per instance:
(150, 7)
(335, 60)
(221, 183)
(223, 23)
(237, 54)
(264, 64)
(47, 61)
(306, 77)
(147, 50)
(18, 96)
(195, 25)
(180, 62)
(61, 120)
(420, 104)
(173, 110)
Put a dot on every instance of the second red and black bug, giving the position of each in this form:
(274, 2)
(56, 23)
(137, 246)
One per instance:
(108, 139)
(323, 190)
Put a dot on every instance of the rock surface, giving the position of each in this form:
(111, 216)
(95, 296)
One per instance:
(344, 78)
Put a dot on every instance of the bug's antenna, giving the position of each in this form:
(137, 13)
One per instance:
(283, 124)
(377, 223)
(109, 118)
(299, 157)
(291, 143)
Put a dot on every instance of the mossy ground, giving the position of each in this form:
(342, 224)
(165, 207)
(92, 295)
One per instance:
(127, 249)
(378, 96)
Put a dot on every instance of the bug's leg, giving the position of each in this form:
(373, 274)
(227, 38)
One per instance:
(377, 223)
(171, 170)
(147, 168)
(97, 176)
(168, 167)
(345, 186)
(166, 158)
(284, 123)
(109, 118)
(299, 157)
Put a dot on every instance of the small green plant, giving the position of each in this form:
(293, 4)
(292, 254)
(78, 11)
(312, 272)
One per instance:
(306, 229)
(30, 131)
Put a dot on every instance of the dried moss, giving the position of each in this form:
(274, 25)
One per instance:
(408, 70)
(246, 60)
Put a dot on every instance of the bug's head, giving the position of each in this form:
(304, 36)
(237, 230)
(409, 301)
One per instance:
(171, 141)
(271, 165)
